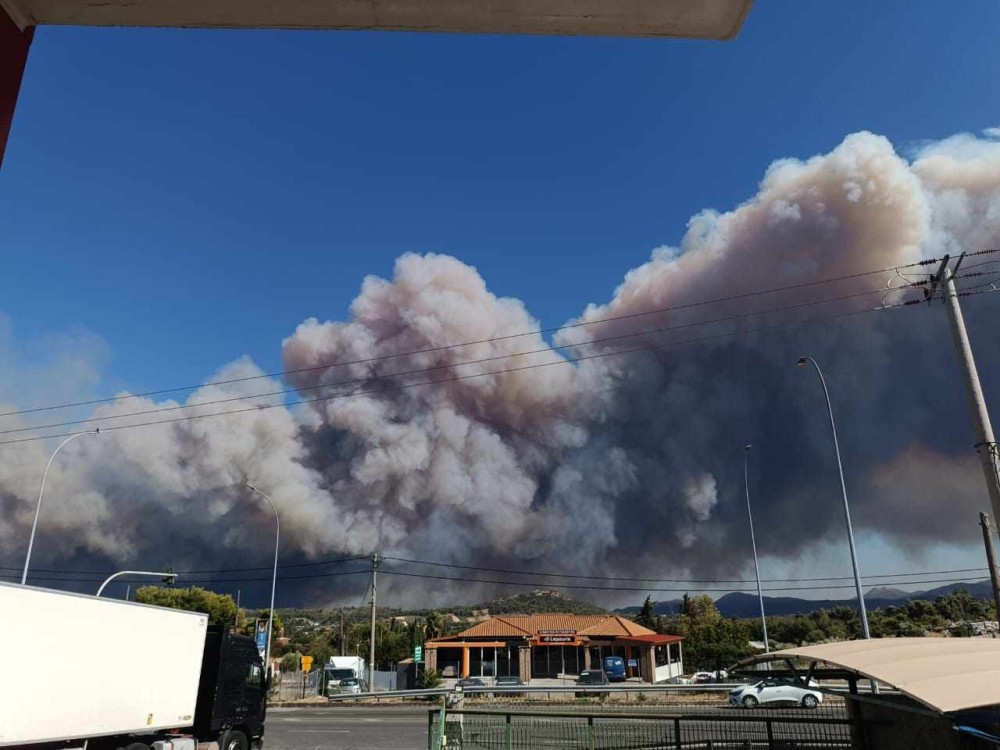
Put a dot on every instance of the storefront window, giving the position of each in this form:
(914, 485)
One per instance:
(661, 655)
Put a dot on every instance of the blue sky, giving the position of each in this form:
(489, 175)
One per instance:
(180, 198)
(191, 196)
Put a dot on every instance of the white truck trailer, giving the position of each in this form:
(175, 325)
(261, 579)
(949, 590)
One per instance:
(80, 670)
(342, 667)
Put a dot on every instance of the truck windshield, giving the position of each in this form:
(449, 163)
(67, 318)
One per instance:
(339, 674)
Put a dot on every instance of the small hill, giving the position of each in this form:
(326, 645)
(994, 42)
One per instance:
(539, 602)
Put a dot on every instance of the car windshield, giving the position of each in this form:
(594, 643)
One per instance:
(339, 674)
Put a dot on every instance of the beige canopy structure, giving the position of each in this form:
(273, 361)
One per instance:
(698, 19)
(944, 674)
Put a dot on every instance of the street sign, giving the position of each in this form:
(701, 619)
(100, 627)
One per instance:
(418, 653)
(260, 636)
(307, 663)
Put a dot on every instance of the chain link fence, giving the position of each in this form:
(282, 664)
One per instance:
(294, 686)
(739, 730)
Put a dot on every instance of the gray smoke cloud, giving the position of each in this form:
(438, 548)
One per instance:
(520, 452)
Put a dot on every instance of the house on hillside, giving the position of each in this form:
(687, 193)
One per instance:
(532, 646)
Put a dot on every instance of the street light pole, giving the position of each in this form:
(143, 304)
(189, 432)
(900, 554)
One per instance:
(843, 489)
(274, 575)
(753, 544)
(38, 505)
(150, 573)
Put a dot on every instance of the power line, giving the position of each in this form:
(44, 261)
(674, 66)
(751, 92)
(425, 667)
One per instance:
(681, 580)
(443, 347)
(405, 386)
(197, 571)
(447, 366)
(529, 584)
(308, 576)
(644, 589)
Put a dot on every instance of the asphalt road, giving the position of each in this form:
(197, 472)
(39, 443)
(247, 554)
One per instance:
(405, 728)
(371, 728)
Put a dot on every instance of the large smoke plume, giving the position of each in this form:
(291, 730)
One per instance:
(558, 459)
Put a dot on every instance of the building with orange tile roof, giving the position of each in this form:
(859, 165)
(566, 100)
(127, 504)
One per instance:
(554, 645)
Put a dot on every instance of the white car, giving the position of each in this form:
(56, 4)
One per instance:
(774, 691)
(347, 686)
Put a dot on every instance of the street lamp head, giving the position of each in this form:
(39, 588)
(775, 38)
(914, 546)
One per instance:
(802, 361)
(747, 447)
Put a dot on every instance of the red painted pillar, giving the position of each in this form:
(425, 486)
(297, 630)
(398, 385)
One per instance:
(14, 45)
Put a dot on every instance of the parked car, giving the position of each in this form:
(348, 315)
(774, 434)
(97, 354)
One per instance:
(614, 667)
(592, 677)
(773, 691)
(468, 682)
(349, 685)
(507, 683)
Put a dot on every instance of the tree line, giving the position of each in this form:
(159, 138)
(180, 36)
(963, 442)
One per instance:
(713, 642)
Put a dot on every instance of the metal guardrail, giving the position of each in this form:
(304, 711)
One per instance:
(528, 689)
(500, 730)
(523, 690)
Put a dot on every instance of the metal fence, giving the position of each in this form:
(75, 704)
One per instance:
(735, 730)
(292, 686)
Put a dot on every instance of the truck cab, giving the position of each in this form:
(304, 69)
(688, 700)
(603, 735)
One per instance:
(232, 692)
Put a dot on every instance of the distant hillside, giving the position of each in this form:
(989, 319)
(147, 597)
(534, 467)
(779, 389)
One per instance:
(540, 601)
(746, 605)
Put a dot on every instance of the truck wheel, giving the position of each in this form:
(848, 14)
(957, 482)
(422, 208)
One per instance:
(233, 739)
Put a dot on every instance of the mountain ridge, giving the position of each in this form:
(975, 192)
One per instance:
(746, 605)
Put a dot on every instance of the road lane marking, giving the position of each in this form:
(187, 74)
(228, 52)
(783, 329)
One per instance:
(320, 731)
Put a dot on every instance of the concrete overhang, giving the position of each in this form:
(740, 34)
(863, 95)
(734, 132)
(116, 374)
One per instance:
(947, 675)
(692, 19)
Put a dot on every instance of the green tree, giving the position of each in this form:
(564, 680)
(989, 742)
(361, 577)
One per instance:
(699, 609)
(220, 608)
(291, 662)
(428, 678)
(716, 644)
(647, 618)
(433, 626)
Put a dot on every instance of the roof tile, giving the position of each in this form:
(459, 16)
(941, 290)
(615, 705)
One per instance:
(525, 626)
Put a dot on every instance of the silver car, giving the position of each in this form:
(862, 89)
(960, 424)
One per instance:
(349, 685)
(773, 691)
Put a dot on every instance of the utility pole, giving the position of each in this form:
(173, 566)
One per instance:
(991, 560)
(753, 545)
(986, 444)
(342, 651)
(371, 635)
